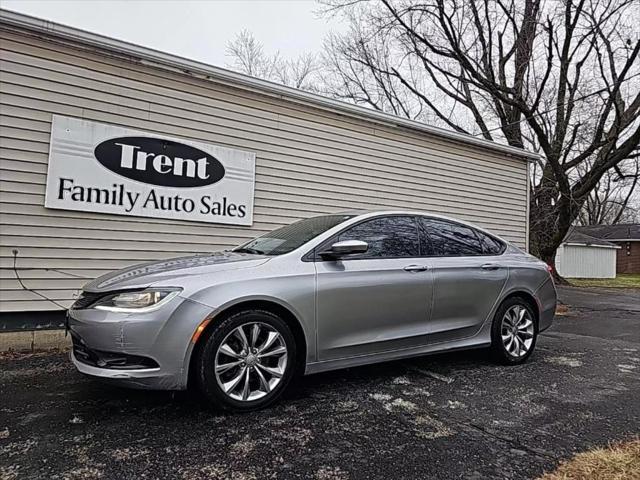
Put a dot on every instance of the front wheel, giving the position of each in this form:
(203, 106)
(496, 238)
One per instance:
(514, 331)
(247, 361)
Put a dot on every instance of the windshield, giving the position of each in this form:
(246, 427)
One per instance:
(286, 239)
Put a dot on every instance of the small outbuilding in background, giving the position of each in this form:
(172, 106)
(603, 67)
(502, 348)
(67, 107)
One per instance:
(626, 236)
(584, 256)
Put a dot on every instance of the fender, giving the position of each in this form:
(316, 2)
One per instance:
(295, 314)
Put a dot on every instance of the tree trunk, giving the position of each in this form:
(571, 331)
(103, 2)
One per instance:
(547, 229)
(550, 259)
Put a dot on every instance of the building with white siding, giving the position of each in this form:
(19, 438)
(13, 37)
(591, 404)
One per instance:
(626, 236)
(583, 256)
(289, 154)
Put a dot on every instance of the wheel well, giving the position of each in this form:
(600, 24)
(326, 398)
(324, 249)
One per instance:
(530, 299)
(275, 308)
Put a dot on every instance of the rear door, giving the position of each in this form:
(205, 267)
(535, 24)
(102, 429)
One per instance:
(376, 301)
(468, 277)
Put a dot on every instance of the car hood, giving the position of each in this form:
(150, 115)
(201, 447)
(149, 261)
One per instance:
(145, 274)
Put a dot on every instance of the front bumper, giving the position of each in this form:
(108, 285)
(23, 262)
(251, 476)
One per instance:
(148, 378)
(149, 350)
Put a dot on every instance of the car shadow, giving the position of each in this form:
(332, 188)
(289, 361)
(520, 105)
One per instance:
(112, 400)
(441, 364)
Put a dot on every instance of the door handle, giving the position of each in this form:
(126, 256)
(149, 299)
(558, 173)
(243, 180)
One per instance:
(490, 266)
(416, 268)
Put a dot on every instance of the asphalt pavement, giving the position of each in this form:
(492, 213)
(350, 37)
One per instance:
(445, 416)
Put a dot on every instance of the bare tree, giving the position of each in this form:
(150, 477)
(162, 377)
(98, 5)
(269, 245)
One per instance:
(247, 56)
(614, 198)
(559, 77)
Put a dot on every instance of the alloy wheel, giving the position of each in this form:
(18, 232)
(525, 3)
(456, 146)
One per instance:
(517, 331)
(251, 361)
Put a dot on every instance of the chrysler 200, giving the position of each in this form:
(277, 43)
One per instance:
(323, 293)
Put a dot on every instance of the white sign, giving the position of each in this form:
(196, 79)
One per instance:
(95, 167)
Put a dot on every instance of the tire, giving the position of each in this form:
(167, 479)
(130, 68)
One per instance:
(227, 358)
(509, 345)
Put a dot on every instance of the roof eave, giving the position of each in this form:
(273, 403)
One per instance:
(583, 244)
(623, 239)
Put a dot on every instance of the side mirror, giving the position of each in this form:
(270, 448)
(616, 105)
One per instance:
(346, 247)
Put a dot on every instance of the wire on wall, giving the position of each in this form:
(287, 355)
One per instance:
(15, 270)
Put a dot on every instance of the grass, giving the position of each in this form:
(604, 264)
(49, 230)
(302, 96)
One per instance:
(631, 280)
(617, 462)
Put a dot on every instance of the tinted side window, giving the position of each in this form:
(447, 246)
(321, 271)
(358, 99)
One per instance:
(386, 236)
(490, 246)
(446, 239)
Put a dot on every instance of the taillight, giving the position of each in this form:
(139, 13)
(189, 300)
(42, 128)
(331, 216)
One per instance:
(550, 270)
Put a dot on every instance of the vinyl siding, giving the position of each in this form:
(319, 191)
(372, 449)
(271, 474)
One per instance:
(308, 161)
(577, 261)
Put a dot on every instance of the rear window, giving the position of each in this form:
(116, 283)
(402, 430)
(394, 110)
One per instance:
(490, 245)
(441, 238)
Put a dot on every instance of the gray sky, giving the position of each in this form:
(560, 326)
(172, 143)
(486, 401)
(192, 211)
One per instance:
(195, 29)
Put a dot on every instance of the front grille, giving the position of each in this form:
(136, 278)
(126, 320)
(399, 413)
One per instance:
(114, 360)
(86, 299)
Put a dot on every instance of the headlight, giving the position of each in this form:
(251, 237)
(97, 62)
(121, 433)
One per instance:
(136, 302)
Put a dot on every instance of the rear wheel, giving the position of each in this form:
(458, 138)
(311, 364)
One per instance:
(247, 361)
(514, 331)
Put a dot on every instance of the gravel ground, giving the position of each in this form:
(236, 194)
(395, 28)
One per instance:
(445, 416)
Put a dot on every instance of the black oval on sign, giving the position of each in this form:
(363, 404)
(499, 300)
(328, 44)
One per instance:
(159, 162)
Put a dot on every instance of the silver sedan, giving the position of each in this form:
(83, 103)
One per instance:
(323, 293)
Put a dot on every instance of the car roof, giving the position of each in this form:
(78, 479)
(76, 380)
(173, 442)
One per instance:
(374, 213)
(364, 213)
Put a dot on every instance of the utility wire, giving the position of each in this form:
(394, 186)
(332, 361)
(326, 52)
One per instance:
(62, 272)
(15, 270)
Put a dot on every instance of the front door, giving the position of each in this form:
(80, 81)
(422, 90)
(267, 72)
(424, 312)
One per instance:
(376, 301)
